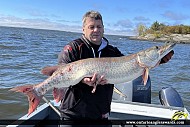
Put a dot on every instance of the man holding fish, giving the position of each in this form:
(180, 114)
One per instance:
(91, 96)
(92, 44)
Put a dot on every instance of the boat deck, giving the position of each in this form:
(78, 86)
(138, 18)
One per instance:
(122, 113)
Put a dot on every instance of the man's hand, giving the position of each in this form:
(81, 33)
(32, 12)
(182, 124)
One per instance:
(94, 81)
(167, 57)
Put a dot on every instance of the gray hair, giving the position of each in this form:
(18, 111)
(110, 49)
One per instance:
(92, 14)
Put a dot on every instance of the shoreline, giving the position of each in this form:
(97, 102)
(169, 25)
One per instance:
(176, 38)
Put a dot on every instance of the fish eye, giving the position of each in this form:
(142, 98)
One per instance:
(156, 47)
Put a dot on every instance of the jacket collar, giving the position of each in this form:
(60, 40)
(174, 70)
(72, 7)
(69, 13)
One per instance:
(102, 46)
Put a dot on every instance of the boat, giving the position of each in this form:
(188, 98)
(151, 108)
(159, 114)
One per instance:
(170, 112)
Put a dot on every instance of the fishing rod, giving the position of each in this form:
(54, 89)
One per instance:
(53, 107)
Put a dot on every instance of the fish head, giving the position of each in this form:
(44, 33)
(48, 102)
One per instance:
(153, 55)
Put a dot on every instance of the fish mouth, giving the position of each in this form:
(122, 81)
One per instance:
(166, 49)
(172, 45)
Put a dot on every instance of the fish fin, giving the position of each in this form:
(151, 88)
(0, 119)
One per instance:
(49, 70)
(58, 94)
(33, 98)
(145, 76)
(119, 92)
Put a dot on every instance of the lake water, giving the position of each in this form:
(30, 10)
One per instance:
(24, 52)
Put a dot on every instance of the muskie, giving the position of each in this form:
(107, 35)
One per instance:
(115, 69)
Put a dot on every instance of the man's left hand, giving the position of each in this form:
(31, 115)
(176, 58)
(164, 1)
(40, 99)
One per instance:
(167, 57)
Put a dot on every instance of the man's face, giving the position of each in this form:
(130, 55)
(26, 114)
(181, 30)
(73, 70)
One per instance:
(93, 30)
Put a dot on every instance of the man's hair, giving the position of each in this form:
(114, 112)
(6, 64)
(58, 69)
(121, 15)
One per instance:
(92, 14)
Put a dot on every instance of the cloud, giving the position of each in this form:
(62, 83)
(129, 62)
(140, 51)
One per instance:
(163, 4)
(37, 13)
(175, 16)
(70, 22)
(124, 24)
(37, 23)
(126, 32)
(141, 18)
(122, 27)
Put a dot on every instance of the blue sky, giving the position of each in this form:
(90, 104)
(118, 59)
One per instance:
(120, 17)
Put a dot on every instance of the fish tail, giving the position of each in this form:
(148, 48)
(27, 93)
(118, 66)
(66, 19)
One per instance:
(58, 94)
(33, 98)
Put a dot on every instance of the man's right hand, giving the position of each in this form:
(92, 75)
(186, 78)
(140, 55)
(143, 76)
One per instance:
(94, 81)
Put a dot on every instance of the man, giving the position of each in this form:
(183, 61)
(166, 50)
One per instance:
(79, 102)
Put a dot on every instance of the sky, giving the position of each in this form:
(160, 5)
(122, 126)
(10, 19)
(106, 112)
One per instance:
(121, 17)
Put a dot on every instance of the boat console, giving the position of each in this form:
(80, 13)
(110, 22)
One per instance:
(135, 91)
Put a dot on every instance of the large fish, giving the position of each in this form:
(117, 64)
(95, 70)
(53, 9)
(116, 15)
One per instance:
(115, 69)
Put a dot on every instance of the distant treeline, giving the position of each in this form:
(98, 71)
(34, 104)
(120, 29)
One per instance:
(160, 29)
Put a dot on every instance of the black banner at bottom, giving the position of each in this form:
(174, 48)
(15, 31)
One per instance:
(94, 122)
